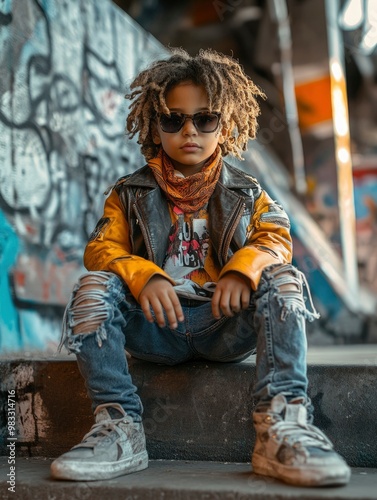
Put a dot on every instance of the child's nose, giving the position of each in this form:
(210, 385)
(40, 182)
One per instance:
(189, 127)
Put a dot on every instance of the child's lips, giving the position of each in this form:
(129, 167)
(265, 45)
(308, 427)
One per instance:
(190, 147)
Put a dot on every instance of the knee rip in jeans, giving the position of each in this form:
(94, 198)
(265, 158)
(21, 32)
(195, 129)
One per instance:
(87, 311)
(287, 284)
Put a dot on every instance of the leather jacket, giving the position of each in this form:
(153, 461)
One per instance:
(248, 230)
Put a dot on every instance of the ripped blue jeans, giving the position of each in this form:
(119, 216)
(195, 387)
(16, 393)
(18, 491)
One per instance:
(103, 319)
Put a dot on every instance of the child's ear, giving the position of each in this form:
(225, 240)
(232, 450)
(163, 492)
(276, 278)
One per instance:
(224, 134)
(155, 134)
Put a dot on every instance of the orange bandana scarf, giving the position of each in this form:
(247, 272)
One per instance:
(188, 193)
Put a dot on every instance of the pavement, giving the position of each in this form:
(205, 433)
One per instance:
(176, 480)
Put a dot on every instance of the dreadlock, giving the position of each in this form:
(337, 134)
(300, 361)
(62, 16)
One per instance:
(228, 88)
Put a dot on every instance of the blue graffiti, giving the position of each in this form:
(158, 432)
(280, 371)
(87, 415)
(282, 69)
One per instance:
(10, 338)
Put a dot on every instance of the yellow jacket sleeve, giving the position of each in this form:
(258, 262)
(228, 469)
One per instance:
(109, 249)
(268, 241)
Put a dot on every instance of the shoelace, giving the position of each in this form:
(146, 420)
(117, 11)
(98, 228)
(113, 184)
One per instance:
(308, 435)
(103, 428)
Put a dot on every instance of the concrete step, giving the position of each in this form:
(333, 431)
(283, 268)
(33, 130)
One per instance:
(175, 480)
(194, 411)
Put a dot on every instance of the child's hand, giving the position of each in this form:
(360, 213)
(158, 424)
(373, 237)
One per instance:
(160, 295)
(232, 294)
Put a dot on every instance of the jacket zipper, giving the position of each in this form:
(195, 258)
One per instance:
(240, 207)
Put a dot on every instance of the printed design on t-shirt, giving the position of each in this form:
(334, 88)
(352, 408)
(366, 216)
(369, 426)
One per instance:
(188, 245)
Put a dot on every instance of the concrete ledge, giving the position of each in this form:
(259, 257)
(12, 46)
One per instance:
(173, 480)
(193, 411)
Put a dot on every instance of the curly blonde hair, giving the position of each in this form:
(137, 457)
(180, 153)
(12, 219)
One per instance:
(228, 88)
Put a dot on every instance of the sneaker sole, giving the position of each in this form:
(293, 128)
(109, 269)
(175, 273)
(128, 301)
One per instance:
(336, 475)
(75, 470)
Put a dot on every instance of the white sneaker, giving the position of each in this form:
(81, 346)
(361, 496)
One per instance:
(111, 448)
(290, 449)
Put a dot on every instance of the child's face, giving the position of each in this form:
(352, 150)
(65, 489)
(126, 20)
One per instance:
(188, 148)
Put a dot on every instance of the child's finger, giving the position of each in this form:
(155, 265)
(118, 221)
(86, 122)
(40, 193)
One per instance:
(177, 307)
(145, 306)
(173, 309)
(216, 304)
(170, 314)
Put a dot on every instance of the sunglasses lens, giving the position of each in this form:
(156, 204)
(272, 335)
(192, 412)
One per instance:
(172, 123)
(206, 122)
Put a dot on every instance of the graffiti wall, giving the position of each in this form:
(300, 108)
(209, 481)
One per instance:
(64, 69)
(65, 66)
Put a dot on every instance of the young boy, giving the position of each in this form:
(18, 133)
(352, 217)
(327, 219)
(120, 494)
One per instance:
(188, 250)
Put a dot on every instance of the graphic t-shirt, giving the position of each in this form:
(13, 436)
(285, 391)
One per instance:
(189, 247)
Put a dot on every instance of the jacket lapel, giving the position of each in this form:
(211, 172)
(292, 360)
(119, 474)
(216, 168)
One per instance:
(153, 210)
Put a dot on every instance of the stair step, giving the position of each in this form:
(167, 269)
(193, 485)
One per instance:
(193, 411)
(176, 480)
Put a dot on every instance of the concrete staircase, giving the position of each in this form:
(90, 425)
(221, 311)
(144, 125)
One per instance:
(198, 427)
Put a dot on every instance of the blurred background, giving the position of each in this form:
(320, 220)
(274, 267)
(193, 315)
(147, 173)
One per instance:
(64, 69)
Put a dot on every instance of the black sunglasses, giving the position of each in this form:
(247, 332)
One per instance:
(203, 121)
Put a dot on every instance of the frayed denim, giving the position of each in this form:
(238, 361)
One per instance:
(107, 320)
